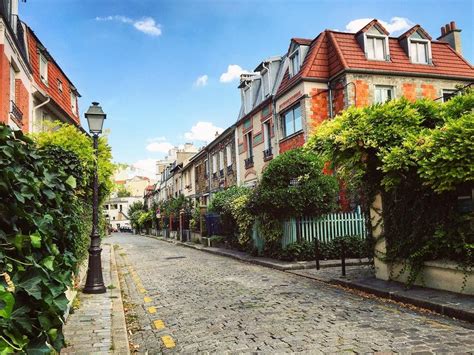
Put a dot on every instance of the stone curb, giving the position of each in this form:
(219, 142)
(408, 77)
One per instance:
(252, 260)
(119, 328)
(395, 296)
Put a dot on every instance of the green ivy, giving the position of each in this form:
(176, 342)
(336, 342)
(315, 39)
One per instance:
(41, 238)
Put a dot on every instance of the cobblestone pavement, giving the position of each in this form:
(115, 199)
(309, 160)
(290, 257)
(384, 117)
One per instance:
(207, 303)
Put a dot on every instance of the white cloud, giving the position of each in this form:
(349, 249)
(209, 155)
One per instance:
(145, 167)
(233, 72)
(146, 25)
(203, 131)
(159, 147)
(156, 139)
(201, 81)
(395, 26)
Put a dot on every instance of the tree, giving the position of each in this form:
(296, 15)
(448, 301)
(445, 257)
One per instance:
(123, 192)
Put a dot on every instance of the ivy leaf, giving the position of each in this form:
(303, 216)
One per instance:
(49, 193)
(71, 181)
(7, 301)
(35, 240)
(48, 262)
(38, 348)
(31, 286)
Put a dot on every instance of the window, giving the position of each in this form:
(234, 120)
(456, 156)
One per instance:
(265, 83)
(248, 139)
(73, 103)
(419, 52)
(267, 135)
(292, 121)
(221, 160)
(383, 94)
(376, 48)
(448, 94)
(206, 167)
(214, 163)
(43, 64)
(295, 63)
(12, 83)
(228, 151)
(60, 86)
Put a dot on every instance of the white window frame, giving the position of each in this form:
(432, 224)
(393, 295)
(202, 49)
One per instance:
(228, 151)
(371, 38)
(384, 89)
(221, 160)
(73, 103)
(427, 46)
(214, 163)
(267, 135)
(12, 84)
(60, 86)
(43, 68)
(295, 54)
(283, 116)
(249, 139)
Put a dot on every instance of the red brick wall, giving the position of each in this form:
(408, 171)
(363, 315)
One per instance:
(23, 103)
(338, 99)
(319, 108)
(362, 93)
(4, 86)
(292, 143)
(409, 91)
(63, 99)
(428, 91)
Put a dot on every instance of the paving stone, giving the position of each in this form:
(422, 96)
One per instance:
(211, 303)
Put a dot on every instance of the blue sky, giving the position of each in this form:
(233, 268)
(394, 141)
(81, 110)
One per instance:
(141, 59)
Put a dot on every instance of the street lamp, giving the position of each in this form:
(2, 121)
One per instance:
(95, 282)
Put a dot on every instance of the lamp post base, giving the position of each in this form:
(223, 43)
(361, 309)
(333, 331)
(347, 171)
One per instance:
(94, 281)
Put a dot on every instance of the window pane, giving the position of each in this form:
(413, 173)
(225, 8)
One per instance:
(289, 129)
(422, 53)
(297, 119)
(379, 48)
(370, 48)
(378, 95)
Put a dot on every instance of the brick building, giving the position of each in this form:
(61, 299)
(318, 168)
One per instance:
(223, 163)
(200, 164)
(33, 87)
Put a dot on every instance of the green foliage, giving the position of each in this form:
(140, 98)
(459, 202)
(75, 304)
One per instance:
(123, 192)
(294, 185)
(417, 155)
(40, 235)
(134, 213)
(232, 205)
(69, 138)
(355, 247)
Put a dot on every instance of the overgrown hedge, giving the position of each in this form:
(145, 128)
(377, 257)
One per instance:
(44, 233)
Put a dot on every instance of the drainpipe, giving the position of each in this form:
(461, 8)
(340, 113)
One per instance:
(330, 100)
(236, 151)
(40, 105)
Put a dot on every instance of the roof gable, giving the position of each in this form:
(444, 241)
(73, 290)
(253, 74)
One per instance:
(417, 31)
(374, 23)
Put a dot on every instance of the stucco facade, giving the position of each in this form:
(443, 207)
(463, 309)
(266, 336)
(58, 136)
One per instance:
(222, 160)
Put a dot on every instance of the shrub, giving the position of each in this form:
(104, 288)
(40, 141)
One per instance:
(42, 237)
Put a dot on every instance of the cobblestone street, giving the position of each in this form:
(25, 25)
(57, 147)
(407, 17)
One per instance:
(188, 301)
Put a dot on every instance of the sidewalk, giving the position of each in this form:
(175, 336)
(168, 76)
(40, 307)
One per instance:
(98, 325)
(359, 276)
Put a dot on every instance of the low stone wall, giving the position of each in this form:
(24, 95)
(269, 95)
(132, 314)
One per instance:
(441, 275)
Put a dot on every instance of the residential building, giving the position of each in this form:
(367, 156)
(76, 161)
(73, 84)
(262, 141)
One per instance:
(15, 69)
(34, 88)
(340, 69)
(116, 211)
(223, 161)
(200, 164)
(55, 98)
(136, 185)
(255, 127)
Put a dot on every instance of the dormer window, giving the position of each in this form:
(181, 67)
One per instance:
(43, 68)
(419, 48)
(376, 44)
(295, 63)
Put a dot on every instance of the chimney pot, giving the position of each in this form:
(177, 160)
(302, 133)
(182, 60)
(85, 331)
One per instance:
(448, 28)
(453, 25)
(443, 31)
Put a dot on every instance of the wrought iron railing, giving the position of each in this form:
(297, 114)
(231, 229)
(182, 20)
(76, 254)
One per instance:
(16, 113)
(248, 162)
(229, 169)
(267, 153)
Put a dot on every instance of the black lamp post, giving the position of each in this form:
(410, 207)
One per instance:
(95, 282)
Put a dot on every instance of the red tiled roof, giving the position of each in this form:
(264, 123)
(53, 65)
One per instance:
(332, 51)
(413, 30)
(302, 41)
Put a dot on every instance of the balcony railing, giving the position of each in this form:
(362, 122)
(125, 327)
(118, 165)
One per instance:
(248, 162)
(229, 169)
(16, 113)
(221, 173)
(267, 154)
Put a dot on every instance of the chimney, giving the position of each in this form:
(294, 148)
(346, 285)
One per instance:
(451, 34)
